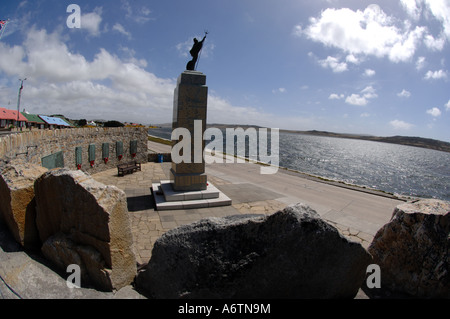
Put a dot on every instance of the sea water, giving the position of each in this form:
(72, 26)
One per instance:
(393, 168)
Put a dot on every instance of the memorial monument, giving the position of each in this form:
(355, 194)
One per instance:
(188, 186)
(189, 109)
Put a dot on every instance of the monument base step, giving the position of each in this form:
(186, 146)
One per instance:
(168, 199)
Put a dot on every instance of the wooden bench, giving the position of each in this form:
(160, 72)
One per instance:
(129, 167)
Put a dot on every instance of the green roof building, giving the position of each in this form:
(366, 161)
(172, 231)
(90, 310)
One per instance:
(34, 120)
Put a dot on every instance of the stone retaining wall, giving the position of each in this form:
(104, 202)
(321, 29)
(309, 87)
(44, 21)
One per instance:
(32, 146)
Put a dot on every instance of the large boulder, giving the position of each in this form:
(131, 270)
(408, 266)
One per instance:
(17, 205)
(290, 254)
(84, 222)
(412, 250)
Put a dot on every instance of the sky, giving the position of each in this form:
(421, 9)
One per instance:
(363, 67)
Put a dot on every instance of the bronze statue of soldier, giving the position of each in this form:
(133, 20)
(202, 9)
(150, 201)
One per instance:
(196, 48)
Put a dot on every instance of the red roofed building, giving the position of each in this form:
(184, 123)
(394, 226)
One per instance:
(9, 117)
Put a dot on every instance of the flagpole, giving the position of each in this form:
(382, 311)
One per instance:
(200, 54)
(18, 101)
(3, 29)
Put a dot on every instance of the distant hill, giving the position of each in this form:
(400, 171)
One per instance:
(416, 141)
(225, 126)
(402, 140)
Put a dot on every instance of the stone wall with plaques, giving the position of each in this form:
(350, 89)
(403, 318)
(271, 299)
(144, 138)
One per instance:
(89, 149)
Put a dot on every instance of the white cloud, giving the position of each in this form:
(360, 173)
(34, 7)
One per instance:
(373, 32)
(412, 7)
(404, 93)
(363, 98)
(222, 111)
(363, 115)
(279, 90)
(91, 21)
(297, 30)
(61, 81)
(356, 99)
(360, 99)
(352, 59)
(106, 87)
(369, 92)
(130, 53)
(420, 63)
(447, 106)
(435, 112)
(368, 32)
(335, 96)
(435, 75)
(119, 28)
(146, 11)
(437, 9)
(334, 64)
(23, 4)
(400, 125)
(369, 72)
(434, 44)
(440, 9)
(139, 15)
(404, 49)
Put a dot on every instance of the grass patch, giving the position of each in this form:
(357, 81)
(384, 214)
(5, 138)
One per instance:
(159, 140)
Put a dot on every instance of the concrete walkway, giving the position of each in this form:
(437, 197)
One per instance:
(358, 213)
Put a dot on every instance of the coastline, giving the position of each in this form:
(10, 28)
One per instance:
(289, 171)
(420, 142)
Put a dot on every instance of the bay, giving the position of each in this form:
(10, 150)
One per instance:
(398, 169)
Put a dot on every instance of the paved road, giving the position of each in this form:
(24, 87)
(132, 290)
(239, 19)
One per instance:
(355, 209)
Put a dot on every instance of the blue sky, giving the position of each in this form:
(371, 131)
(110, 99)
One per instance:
(366, 67)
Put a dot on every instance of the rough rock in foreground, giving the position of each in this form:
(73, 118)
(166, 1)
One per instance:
(81, 221)
(17, 204)
(290, 254)
(412, 250)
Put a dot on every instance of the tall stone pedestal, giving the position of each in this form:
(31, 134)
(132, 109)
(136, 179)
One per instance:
(189, 106)
(188, 186)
